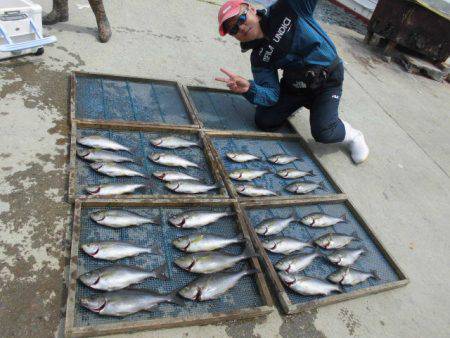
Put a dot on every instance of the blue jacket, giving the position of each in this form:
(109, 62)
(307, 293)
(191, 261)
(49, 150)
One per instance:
(293, 39)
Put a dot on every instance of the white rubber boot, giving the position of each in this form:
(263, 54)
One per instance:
(354, 140)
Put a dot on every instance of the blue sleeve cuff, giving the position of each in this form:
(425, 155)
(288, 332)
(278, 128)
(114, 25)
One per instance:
(250, 94)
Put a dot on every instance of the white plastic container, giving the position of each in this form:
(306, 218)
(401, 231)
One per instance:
(21, 28)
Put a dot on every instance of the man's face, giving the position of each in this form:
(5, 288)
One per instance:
(248, 30)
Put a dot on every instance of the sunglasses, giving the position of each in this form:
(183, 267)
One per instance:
(241, 20)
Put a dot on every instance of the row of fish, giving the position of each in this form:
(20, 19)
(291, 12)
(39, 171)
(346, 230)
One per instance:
(108, 163)
(201, 259)
(251, 190)
(289, 267)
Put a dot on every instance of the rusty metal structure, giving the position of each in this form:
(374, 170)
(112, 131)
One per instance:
(419, 25)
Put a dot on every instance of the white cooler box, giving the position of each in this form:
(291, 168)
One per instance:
(21, 28)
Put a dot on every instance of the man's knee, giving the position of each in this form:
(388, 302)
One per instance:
(327, 134)
(266, 120)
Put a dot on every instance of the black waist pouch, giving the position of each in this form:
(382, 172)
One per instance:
(310, 77)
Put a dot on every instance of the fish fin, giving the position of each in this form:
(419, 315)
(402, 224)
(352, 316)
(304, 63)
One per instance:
(311, 173)
(158, 221)
(138, 161)
(199, 145)
(310, 244)
(174, 298)
(270, 171)
(249, 251)
(355, 235)
(301, 159)
(375, 274)
(322, 186)
(344, 218)
(231, 213)
(160, 272)
(364, 249)
(155, 249)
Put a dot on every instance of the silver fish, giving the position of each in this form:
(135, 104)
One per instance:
(173, 142)
(171, 160)
(349, 276)
(213, 286)
(273, 226)
(282, 159)
(242, 157)
(296, 263)
(120, 218)
(113, 189)
(308, 286)
(210, 262)
(247, 174)
(334, 240)
(284, 245)
(197, 219)
(126, 302)
(114, 250)
(304, 187)
(205, 242)
(345, 257)
(98, 155)
(320, 220)
(254, 191)
(116, 277)
(114, 170)
(292, 173)
(96, 141)
(190, 187)
(169, 176)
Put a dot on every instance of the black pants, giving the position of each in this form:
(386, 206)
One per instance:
(323, 103)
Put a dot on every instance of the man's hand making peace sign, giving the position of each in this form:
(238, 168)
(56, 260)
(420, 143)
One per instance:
(236, 83)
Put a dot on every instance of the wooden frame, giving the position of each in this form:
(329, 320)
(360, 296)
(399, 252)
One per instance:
(180, 90)
(278, 287)
(112, 125)
(120, 327)
(230, 186)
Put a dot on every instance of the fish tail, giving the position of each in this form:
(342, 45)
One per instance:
(343, 217)
(250, 271)
(248, 251)
(154, 249)
(199, 145)
(354, 234)
(339, 289)
(317, 251)
(138, 161)
(311, 173)
(293, 215)
(322, 186)
(174, 298)
(240, 239)
(160, 272)
(301, 159)
(375, 274)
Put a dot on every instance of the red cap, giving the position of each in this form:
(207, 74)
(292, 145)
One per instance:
(228, 10)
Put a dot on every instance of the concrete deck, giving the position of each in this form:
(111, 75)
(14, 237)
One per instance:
(403, 190)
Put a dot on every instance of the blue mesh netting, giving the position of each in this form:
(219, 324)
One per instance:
(244, 295)
(139, 143)
(372, 260)
(265, 148)
(220, 110)
(103, 98)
